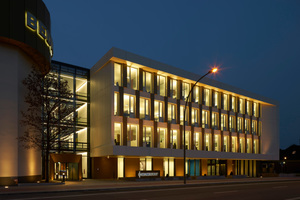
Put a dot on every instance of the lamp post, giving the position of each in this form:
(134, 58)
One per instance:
(214, 70)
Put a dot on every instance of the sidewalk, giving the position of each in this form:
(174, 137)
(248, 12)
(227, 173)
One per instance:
(114, 185)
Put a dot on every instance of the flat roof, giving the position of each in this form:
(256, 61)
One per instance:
(117, 54)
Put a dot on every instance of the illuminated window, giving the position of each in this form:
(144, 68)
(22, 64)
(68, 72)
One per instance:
(255, 109)
(182, 114)
(260, 129)
(204, 119)
(173, 88)
(216, 99)
(132, 135)
(240, 124)
(116, 104)
(205, 97)
(233, 144)
(144, 108)
(185, 90)
(232, 123)
(147, 82)
(249, 105)
(129, 105)
(117, 74)
(196, 94)
(249, 145)
(172, 113)
(208, 142)
(226, 143)
(161, 85)
(217, 142)
(247, 126)
(187, 139)
(161, 137)
(215, 120)
(223, 122)
(173, 139)
(117, 133)
(147, 136)
(195, 117)
(233, 102)
(225, 101)
(256, 146)
(197, 143)
(254, 127)
(158, 111)
(242, 145)
(241, 106)
(132, 78)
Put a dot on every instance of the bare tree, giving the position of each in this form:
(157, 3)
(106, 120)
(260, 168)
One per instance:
(50, 114)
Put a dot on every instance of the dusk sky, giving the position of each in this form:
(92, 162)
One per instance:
(256, 43)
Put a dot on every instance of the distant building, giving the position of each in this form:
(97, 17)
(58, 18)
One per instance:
(290, 159)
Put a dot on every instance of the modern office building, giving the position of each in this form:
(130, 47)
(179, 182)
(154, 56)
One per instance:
(137, 107)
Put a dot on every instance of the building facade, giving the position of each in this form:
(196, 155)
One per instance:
(137, 107)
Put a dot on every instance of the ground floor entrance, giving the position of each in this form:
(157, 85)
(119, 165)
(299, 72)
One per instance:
(111, 167)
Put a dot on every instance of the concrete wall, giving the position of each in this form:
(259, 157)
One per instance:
(15, 161)
(101, 109)
(270, 132)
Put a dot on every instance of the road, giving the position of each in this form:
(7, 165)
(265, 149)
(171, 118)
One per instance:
(251, 191)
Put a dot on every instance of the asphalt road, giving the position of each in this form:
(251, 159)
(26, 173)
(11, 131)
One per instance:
(251, 191)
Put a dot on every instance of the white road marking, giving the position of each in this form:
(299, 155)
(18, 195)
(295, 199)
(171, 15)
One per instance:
(226, 192)
(284, 186)
(296, 198)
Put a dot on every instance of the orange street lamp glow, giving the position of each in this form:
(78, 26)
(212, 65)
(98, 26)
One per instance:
(214, 70)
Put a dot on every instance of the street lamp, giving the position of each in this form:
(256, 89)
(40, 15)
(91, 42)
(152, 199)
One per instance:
(214, 70)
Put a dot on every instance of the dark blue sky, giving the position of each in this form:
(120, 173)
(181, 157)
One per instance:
(256, 42)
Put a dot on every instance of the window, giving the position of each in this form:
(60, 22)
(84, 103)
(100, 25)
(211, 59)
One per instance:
(240, 124)
(129, 105)
(242, 106)
(117, 133)
(158, 111)
(197, 142)
(196, 94)
(217, 142)
(132, 135)
(204, 119)
(144, 108)
(147, 82)
(225, 101)
(223, 122)
(173, 88)
(208, 142)
(232, 123)
(242, 145)
(247, 126)
(233, 144)
(173, 139)
(233, 102)
(172, 113)
(195, 117)
(260, 129)
(182, 114)
(187, 139)
(255, 109)
(132, 78)
(215, 120)
(161, 137)
(256, 146)
(249, 105)
(216, 99)
(145, 164)
(116, 104)
(117, 74)
(147, 136)
(161, 85)
(226, 144)
(254, 127)
(205, 97)
(249, 145)
(185, 90)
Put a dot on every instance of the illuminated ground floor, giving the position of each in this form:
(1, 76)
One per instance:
(129, 167)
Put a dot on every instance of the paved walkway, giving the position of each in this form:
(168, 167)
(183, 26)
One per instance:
(112, 185)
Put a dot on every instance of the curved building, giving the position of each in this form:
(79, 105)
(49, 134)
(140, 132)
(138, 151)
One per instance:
(25, 41)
